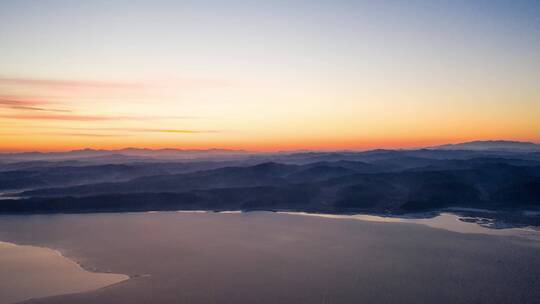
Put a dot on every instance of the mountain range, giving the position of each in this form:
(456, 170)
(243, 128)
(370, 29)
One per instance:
(379, 181)
(496, 145)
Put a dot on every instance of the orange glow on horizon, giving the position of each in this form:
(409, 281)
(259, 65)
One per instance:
(300, 145)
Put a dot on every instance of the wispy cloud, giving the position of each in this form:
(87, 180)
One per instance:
(78, 117)
(85, 134)
(26, 108)
(63, 83)
(13, 101)
(179, 131)
(70, 134)
(96, 85)
(27, 104)
(68, 117)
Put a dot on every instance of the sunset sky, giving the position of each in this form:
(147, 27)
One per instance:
(267, 75)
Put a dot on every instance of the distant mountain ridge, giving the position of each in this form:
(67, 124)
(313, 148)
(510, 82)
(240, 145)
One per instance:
(496, 145)
(125, 152)
(130, 154)
(377, 181)
(476, 144)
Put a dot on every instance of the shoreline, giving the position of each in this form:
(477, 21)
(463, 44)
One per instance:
(78, 265)
(428, 219)
(490, 219)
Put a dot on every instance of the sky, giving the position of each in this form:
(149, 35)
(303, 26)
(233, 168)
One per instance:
(267, 75)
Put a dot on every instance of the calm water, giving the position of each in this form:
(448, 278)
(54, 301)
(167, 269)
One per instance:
(263, 257)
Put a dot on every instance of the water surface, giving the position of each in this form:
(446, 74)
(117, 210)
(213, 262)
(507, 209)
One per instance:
(265, 257)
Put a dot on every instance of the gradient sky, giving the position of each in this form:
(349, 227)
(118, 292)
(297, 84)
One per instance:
(267, 75)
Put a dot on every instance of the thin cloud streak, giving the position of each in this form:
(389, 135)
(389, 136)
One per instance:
(27, 104)
(173, 82)
(62, 83)
(74, 117)
(179, 131)
(60, 117)
(21, 101)
(33, 104)
(34, 109)
(85, 134)
(67, 134)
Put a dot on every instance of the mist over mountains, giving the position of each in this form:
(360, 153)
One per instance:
(495, 145)
(497, 176)
(121, 154)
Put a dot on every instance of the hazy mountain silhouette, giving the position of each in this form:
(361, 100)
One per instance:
(380, 181)
(123, 154)
(500, 145)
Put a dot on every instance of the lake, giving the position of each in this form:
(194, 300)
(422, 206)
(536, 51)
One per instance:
(30, 272)
(265, 257)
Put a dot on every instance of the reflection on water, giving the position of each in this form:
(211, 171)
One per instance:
(30, 272)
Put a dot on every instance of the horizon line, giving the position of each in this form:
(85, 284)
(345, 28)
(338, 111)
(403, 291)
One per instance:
(255, 151)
